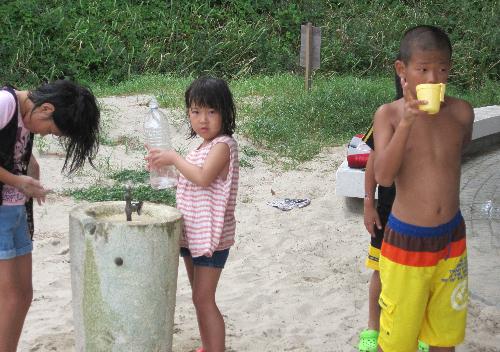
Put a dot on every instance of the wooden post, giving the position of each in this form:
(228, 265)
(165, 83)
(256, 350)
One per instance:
(308, 56)
(310, 45)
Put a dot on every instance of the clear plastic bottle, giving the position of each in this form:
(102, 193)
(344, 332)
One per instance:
(157, 135)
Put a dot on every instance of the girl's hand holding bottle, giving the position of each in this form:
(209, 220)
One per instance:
(158, 157)
(158, 145)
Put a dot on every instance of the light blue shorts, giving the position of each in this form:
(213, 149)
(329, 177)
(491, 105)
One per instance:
(14, 235)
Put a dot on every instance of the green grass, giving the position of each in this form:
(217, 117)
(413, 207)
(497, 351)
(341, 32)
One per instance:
(276, 113)
(297, 124)
(113, 40)
(168, 89)
(247, 153)
(487, 94)
(133, 176)
(116, 192)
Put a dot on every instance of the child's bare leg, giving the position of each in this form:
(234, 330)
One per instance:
(373, 306)
(441, 349)
(433, 349)
(210, 320)
(16, 293)
(188, 262)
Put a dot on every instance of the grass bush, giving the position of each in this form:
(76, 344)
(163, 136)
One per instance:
(298, 124)
(116, 192)
(110, 41)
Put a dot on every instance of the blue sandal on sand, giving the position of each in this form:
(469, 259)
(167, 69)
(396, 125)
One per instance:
(368, 341)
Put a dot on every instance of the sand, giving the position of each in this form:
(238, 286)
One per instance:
(294, 281)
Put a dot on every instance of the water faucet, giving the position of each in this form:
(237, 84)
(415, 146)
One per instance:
(131, 205)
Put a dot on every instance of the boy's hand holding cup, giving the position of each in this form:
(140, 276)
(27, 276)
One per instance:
(412, 105)
(433, 94)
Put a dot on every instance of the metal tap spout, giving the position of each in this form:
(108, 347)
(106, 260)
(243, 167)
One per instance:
(131, 205)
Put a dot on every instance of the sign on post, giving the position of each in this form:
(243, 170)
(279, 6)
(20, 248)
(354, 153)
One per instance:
(310, 44)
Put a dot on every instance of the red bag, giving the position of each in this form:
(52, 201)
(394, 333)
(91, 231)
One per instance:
(357, 152)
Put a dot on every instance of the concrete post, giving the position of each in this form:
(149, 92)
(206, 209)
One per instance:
(124, 276)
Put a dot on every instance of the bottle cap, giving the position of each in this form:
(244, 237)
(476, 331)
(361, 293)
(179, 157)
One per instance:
(153, 104)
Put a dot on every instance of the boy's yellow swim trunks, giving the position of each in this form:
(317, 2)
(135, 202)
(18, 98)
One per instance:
(424, 285)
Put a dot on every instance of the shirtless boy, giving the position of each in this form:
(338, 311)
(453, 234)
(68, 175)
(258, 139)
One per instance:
(423, 263)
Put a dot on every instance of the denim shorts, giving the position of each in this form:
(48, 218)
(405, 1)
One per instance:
(217, 260)
(15, 239)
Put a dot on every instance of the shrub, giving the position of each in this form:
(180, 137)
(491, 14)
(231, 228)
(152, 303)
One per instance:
(108, 40)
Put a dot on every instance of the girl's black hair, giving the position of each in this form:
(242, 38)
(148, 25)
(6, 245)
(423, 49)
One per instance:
(76, 115)
(213, 93)
(423, 37)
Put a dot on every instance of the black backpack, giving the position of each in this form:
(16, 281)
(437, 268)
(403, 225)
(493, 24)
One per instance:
(8, 136)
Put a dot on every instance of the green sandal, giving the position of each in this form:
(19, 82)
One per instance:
(368, 341)
(422, 346)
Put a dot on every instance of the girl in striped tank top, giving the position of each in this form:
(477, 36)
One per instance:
(206, 197)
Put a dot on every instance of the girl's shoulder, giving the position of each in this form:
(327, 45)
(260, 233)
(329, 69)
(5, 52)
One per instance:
(229, 140)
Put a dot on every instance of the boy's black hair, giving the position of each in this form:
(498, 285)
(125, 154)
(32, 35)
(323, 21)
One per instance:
(213, 93)
(76, 115)
(423, 37)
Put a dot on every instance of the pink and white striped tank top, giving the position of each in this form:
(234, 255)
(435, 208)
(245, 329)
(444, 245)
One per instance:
(208, 212)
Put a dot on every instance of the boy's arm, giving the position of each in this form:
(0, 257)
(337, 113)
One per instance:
(390, 145)
(371, 217)
(390, 141)
(468, 118)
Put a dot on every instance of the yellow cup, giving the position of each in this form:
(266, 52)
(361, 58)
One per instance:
(433, 93)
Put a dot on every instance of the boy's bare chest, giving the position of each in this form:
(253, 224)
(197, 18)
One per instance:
(435, 140)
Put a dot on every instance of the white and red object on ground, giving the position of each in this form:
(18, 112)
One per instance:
(357, 152)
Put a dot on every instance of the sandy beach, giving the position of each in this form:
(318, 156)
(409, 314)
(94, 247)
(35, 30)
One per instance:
(294, 281)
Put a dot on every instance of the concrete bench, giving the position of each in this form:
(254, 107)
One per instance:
(486, 131)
